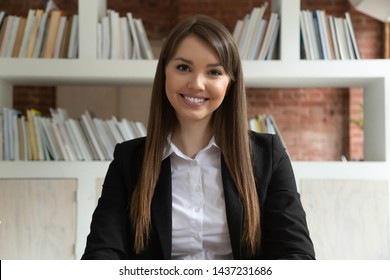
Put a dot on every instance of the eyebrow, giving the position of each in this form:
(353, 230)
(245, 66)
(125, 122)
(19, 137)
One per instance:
(191, 63)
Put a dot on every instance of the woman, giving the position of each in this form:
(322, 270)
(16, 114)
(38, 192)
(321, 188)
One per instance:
(199, 186)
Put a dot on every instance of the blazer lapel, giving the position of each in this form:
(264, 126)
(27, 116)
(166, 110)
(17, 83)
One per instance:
(162, 208)
(234, 210)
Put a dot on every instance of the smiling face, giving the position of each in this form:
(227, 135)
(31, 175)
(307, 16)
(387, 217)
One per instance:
(196, 82)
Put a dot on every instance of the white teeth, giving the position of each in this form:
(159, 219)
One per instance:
(194, 99)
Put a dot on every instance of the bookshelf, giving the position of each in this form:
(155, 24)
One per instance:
(288, 71)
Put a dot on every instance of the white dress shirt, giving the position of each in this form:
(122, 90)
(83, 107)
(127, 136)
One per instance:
(199, 225)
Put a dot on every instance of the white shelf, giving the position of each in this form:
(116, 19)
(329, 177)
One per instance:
(77, 71)
(277, 73)
(320, 73)
(52, 169)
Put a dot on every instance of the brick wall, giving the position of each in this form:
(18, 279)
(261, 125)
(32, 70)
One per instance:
(315, 123)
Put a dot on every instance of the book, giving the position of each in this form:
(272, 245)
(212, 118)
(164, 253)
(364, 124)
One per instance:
(141, 128)
(350, 31)
(49, 141)
(32, 41)
(106, 38)
(59, 37)
(313, 34)
(19, 37)
(68, 143)
(341, 38)
(27, 33)
(42, 151)
(259, 37)
(125, 38)
(73, 38)
(99, 40)
(115, 131)
(91, 148)
(271, 28)
(108, 147)
(2, 29)
(322, 36)
(65, 40)
(12, 36)
(60, 140)
(136, 54)
(328, 34)
(23, 139)
(79, 140)
(69, 125)
(114, 34)
(8, 135)
(87, 119)
(6, 35)
(304, 30)
(334, 37)
(317, 35)
(146, 49)
(15, 136)
(270, 53)
(52, 31)
(128, 130)
(31, 114)
(41, 35)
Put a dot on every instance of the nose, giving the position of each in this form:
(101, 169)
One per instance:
(196, 82)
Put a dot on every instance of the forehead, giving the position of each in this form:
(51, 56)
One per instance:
(194, 46)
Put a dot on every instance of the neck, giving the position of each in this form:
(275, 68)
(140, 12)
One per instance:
(190, 139)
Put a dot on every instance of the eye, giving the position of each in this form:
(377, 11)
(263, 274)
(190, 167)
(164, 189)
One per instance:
(215, 72)
(183, 67)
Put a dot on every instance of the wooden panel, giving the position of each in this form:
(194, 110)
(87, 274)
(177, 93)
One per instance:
(348, 219)
(38, 219)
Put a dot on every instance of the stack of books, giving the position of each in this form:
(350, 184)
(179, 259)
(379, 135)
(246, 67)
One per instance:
(327, 37)
(45, 33)
(35, 137)
(122, 37)
(257, 37)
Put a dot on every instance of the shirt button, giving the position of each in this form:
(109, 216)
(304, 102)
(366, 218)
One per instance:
(196, 237)
(197, 210)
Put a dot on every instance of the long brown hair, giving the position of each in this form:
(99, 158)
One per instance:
(230, 131)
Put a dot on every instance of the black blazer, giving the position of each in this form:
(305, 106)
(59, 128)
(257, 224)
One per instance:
(283, 222)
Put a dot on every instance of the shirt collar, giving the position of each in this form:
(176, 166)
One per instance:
(171, 148)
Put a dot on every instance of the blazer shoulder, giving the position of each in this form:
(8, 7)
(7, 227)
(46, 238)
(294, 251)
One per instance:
(262, 142)
(131, 146)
